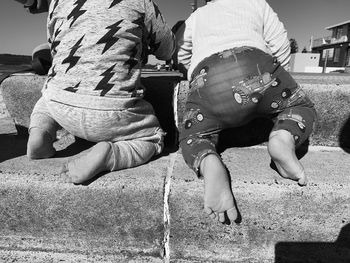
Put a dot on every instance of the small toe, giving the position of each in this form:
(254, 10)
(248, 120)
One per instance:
(64, 169)
(221, 217)
(232, 214)
(64, 174)
(210, 212)
(302, 181)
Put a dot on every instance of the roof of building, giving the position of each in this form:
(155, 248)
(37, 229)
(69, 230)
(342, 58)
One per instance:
(339, 24)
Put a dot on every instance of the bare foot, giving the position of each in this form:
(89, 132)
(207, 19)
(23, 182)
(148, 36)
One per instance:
(281, 148)
(98, 159)
(218, 197)
(40, 144)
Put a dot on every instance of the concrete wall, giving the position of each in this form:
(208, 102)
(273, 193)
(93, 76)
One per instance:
(330, 93)
(300, 62)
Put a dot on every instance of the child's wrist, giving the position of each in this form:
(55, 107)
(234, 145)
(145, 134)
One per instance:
(34, 7)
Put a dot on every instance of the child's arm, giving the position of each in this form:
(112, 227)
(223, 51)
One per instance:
(35, 6)
(276, 37)
(161, 40)
(184, 42)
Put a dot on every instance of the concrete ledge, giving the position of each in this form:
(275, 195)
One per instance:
(153, 213)
(281, 222)
(117, 216)
(330, 93)
(21, 91)
(332, 103)
(331, 96)
(131, 216)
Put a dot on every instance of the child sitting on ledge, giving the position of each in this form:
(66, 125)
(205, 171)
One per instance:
(237, 55)
(93, 89)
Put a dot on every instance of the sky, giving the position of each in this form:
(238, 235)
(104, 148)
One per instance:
(21, 32)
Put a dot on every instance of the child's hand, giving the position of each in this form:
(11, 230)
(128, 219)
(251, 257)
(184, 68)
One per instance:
(37, 6)
(41, 4)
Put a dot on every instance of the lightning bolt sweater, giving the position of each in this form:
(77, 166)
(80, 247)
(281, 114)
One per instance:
(97, 49)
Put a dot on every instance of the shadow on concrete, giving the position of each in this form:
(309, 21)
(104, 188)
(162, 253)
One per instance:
(13, 146)
(253, 133)
(344, 136)
(315, 252)
(74, 148)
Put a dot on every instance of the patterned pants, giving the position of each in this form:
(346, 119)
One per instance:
(229, 89)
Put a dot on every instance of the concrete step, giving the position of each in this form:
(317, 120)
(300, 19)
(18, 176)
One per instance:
(281, 222)
(331, 98)
(20, 92)
(154, 212)
(117, 216)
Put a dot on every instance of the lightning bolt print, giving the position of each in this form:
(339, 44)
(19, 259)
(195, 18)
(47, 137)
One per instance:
(53, 73)
(55, 43)
(103, 85)
(152, 41)
(53, 9)
(73, 89)
(71, 59)
(115, 2)
(109, 39)
(132, 62)
(157, 11)
(140, 20)
(76, 12)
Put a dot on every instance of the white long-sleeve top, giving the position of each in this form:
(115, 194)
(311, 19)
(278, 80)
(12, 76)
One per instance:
(225, 24)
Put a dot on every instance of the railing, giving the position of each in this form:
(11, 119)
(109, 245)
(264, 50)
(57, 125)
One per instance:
(328, 40)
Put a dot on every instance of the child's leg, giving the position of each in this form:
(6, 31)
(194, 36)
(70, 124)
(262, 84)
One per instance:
(108, 156)
(40, 144)
(292, 128)
(218, 197)
(200, 154)
(42, 132)
(281, 148)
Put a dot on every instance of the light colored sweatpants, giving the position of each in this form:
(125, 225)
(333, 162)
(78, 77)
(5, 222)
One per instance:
(134, 134)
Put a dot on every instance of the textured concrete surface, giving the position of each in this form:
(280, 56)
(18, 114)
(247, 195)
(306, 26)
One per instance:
(119, 214)
(153, 213)
(279, 218)
(7, 123)
(330, 93)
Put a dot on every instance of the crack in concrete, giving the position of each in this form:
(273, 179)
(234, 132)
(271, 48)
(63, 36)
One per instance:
(167, 189)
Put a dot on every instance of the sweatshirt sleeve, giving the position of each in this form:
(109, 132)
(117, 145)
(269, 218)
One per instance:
(184, 42)
(160, 39)
(275, 36)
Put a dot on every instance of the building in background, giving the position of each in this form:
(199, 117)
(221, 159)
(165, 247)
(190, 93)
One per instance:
(334, 50)
(305, 62)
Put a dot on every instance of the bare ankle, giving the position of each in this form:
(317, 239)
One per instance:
(218, 196)
(83, 168)
(110, 157)
(211, 165)
(282, 151)
(40, 144)
(280, 142)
